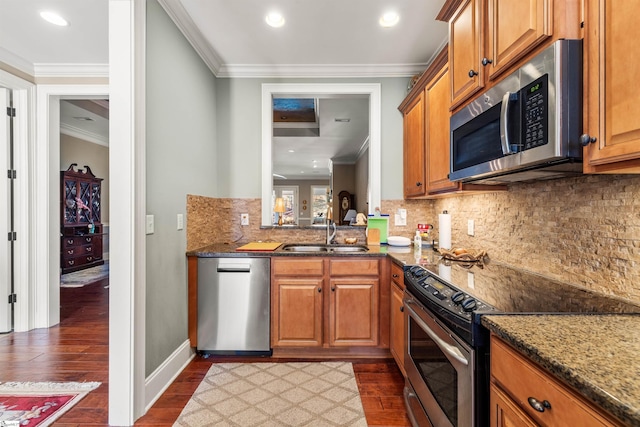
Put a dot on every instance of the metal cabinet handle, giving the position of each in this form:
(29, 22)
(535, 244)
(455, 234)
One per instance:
(89, 249)
(472, 73)
(70, 252)
(418, 184)
(319, 290)
(89, 258)
(88, 239)
(539, 406)
(70, 241)
(486, 61)
(71, 262)
(395, 276)
(402, 309)
(586, 139)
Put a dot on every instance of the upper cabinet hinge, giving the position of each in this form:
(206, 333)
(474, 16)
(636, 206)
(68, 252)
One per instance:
(11, 112)
(13, 298)
(11, 174)
(13, 236)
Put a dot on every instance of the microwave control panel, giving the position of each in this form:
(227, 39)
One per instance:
(535, 113)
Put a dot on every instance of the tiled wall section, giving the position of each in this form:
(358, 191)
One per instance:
(585, 230)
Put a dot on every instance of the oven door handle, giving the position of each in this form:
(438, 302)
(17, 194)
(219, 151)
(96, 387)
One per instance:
(451, 350)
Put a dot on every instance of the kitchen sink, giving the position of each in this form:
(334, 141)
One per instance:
(324, 248)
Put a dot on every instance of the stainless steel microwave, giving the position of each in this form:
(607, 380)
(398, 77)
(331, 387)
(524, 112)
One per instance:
(527, 127)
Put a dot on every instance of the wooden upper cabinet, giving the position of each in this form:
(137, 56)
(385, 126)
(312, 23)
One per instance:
(490, 37)
(465, 50)
(514, 27)
(612, 105)
(437, 133)
(414, 147)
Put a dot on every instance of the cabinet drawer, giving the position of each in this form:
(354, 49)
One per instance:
(397, 275)
(70, 241)
(354, 267)
(79, 260)
(521, 379)
(297, 267)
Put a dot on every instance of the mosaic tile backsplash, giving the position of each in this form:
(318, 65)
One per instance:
(584, 230)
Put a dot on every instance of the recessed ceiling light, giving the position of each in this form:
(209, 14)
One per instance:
(275, 19)
(389, 19)
(292, 151)
(54, 18)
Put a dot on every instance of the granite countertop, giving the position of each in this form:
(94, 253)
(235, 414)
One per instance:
(401, 255)
(598, 355)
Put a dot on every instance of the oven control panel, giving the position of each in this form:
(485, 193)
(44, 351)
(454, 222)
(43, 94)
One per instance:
(431, 290)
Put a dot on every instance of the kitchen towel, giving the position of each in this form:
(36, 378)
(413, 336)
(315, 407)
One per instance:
(444, 230)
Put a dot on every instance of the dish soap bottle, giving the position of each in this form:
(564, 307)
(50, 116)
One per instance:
(417, 240)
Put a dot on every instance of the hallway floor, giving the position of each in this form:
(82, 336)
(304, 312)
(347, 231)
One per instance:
(77, 350)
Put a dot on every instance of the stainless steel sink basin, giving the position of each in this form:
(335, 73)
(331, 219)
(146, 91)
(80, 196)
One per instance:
(304, 248)
(324, 248)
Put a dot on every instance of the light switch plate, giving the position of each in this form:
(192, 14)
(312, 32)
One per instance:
(180, 222)
(470, 227)
(149, 224)
(401, 217)
(471, 282)
(244, 219)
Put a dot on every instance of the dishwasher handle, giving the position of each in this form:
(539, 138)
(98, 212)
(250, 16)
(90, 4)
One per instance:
(234, 268)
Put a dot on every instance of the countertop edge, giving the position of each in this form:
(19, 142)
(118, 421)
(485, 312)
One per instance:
(564, 373)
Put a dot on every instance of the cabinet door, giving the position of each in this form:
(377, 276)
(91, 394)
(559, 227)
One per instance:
(612, 107)
(414, 149)
(438, 146)
(398, 327)
(514, 28)
(353, 312)
(465, 50)
(505, 413)
(296, 312)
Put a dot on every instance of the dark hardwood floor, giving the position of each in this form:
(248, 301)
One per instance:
(77, 350)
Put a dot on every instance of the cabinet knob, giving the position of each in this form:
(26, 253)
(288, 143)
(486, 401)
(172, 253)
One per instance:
(539, 406)
(71, 262)
(319, 290)
(89, 258)
(402, 309)
(418, 184)
(586, 139)
(486, 61)
(333, 289)
(395, 276)
(472, 73)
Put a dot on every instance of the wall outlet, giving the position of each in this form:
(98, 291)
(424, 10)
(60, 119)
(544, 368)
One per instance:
(180, 221)
(401, 217)
(470, 227)
(471, 282)
(244, 219)
(149, 224)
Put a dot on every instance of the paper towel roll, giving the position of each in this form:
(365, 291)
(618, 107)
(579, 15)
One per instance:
(444, 271)
(444, 230)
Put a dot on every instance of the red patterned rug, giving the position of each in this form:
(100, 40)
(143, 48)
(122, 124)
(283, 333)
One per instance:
(38, 404)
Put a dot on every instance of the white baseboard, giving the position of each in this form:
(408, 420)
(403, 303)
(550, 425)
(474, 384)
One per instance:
(166, 373)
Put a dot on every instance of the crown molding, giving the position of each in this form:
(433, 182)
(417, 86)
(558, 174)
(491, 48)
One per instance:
(84, 135)
(16, 62)
(320, 70)
(185, 24)
(71, 70)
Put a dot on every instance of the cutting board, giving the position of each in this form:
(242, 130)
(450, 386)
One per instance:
(259, 246)
(373, 236)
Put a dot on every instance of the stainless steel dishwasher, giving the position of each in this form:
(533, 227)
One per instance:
(233, 305)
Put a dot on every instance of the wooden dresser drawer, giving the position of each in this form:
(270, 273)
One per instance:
(354, 267)
(522, 380)
(71, 241)
(297, 267)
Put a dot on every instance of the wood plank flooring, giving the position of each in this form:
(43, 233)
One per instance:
(77, 350)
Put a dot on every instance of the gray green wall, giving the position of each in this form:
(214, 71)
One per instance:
(180, 160)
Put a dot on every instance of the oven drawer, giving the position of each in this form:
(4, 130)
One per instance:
(521, 380)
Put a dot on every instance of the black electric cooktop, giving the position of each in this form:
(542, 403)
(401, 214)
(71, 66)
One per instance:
(511, 290)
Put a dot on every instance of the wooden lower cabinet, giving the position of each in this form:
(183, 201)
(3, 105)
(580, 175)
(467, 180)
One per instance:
(515, 379)
(398, 329)
(298, 319)
(327, 306)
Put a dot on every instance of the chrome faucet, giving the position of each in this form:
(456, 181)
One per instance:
(330, 236)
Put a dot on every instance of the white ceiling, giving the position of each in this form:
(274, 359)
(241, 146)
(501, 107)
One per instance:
(326, 38)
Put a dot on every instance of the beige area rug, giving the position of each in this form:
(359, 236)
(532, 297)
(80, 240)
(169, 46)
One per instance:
(276, 394)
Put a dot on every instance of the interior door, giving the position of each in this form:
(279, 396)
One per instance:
(6, 242)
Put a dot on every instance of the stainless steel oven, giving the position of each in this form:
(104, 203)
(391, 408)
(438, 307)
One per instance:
(440, 371)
